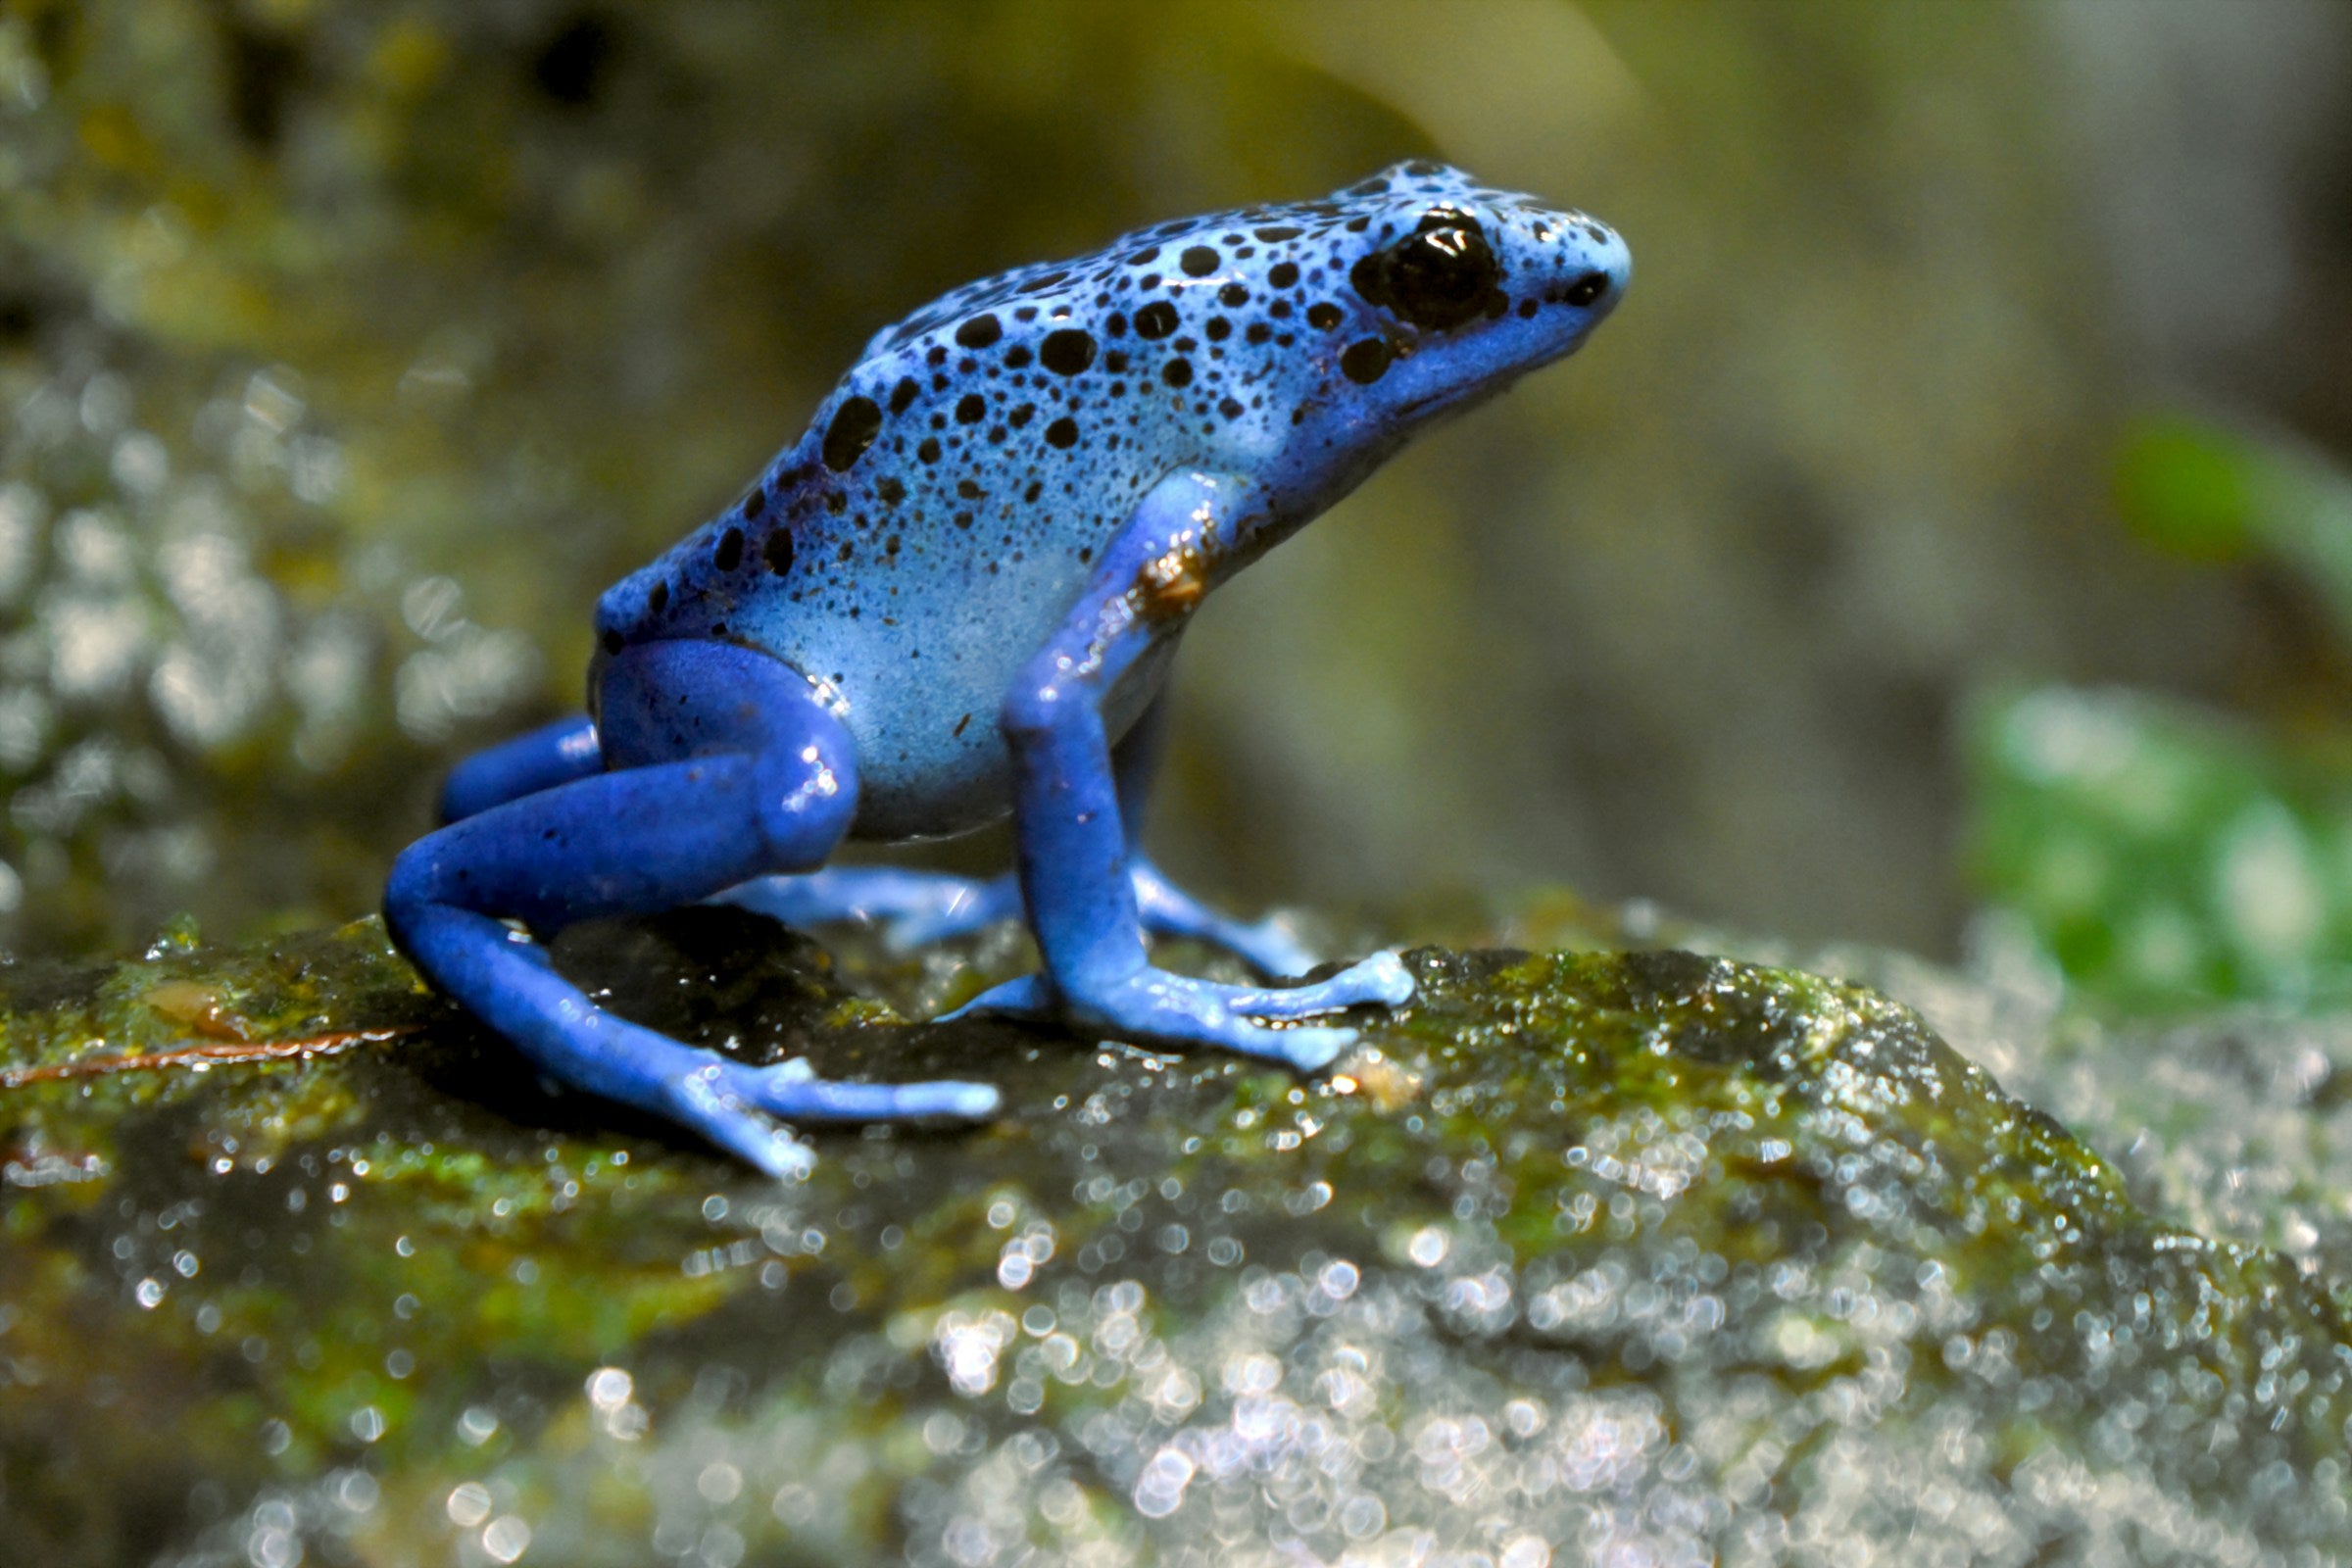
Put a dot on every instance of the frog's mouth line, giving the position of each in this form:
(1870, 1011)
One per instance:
(1403, 347)
(1452, 400)
(1472, 390)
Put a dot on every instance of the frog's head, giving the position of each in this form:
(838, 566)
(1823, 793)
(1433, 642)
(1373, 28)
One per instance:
(1454, 289)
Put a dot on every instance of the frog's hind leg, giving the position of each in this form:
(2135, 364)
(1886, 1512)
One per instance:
(552, 754)
(725, 767)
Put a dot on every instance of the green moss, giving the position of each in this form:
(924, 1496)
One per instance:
(1767, 1218)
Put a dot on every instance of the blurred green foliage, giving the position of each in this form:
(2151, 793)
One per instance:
(2165, 856)
(2203, 490)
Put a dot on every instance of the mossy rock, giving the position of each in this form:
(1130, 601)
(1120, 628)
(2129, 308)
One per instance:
(1583, 1252)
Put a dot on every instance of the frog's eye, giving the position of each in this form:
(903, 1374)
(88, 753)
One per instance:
(1440, 275)
(1586, 289)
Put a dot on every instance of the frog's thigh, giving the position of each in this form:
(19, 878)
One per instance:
(552, 754)
(724, 767)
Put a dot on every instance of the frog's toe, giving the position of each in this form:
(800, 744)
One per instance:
(737, 1107)
(958, 908)
(1029, 996)
(1382, 978)
(1154, 1005)
(707, 1101)
(1309, 1048)
(912, 907)
(793, 1090)
(1268, 946)
(1189, 1012)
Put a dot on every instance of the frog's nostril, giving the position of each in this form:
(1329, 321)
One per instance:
(1586, 288)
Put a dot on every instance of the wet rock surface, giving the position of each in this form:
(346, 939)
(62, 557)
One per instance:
(1606, 1257)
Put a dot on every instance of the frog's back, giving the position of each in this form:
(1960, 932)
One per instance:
(944, 510)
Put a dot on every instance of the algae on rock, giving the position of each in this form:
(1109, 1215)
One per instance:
(1643, 1250)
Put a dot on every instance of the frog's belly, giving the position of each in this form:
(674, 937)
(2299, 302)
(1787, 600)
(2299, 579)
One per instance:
(921, 705)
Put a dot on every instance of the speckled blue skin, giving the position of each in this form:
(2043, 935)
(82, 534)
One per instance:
(959, 593)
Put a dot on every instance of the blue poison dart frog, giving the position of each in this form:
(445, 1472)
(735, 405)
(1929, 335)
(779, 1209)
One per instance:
(959, 593)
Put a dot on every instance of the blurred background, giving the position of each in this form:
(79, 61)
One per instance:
(1948, 534)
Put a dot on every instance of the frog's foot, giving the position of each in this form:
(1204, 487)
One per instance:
(917, 908)
(1154, 1005)
(731, 1105)
(512, 987)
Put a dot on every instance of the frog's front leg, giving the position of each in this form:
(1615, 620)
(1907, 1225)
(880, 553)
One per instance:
(1166, 909)
(723, 765)
(919, 907)
(1074, 866)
